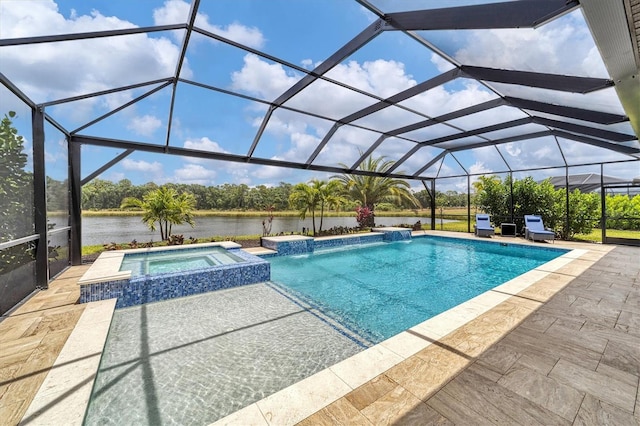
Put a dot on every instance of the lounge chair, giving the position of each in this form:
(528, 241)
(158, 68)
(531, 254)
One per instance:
(534, 229)
(483, 226)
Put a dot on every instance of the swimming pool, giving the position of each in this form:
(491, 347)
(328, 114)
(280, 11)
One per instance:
(196, 359)
(379, 290)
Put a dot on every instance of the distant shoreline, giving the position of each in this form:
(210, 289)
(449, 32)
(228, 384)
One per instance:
(255, 213)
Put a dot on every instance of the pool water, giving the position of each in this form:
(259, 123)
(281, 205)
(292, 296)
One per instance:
(380, 290)
(170, 261)
(193, 360)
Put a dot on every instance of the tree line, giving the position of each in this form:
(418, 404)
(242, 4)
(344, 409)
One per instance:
(102, 194)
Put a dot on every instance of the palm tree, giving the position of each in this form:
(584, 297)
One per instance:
(304, 198)
(329, 194)
(164, 206)
(371, 190)
(318, 193)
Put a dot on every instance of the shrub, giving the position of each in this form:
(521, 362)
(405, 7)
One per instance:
(530, 197)
(364, 216)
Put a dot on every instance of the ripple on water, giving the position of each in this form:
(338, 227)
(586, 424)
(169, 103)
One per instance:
(197, 359)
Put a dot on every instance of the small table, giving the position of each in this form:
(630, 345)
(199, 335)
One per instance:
(508, 229)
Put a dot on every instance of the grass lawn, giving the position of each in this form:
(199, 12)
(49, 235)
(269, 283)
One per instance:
(596, 235)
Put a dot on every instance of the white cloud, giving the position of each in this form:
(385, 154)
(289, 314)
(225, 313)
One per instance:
(580, 153)
(307, 63)
(57, 70)
(145, 125)
(196, 174)
(262, 79)
(442, 64)
(544, 152)
(154, 168)
(418, 160)
(380, 77)
(59, 152)
(49, 157)
(512, 149)
(480, 167)
(171, 12)
(301, 133)
(116, 176)
(177, 11)
(249, 36)
(204, 144)
(272, 172)
(239, 172)
(564, 46)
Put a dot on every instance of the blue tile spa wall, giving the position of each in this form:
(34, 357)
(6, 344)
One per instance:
(294, 246)
(396, 235)
(347, 241)
(308, 245)
(146, 289)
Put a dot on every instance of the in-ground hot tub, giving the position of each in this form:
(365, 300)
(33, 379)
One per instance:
(141, 276)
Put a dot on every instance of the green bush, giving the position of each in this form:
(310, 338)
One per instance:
(623, 212)
(386, 207)
(584, 213)
(530, 197)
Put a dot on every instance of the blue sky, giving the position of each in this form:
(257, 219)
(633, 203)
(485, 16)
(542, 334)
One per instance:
(304, 33)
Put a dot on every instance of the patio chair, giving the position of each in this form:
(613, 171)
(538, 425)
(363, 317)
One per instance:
(534, 229)
(483, 226)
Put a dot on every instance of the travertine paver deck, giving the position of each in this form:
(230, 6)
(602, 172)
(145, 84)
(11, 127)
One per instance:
(31, 339)
(525, 356)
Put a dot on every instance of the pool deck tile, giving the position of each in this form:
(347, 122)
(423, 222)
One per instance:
(558, 345)
(64, 394)
(364, 366)
(31, 337)
(340, 412)
(310, 395)
(408, 343)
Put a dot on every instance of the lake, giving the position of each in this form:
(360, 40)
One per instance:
(123, 229)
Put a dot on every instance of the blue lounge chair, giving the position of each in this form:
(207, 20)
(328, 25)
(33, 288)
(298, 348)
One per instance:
(483, 226)
(534, 229)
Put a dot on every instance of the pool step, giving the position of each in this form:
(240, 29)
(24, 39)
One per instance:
(358, 338)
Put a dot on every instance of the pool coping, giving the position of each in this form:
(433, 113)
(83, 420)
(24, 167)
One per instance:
(302, 399)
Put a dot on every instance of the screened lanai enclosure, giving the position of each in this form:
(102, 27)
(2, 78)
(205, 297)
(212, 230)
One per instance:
(261, 91)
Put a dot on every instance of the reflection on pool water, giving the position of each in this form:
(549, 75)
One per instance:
(195, 359)
(379, 290)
